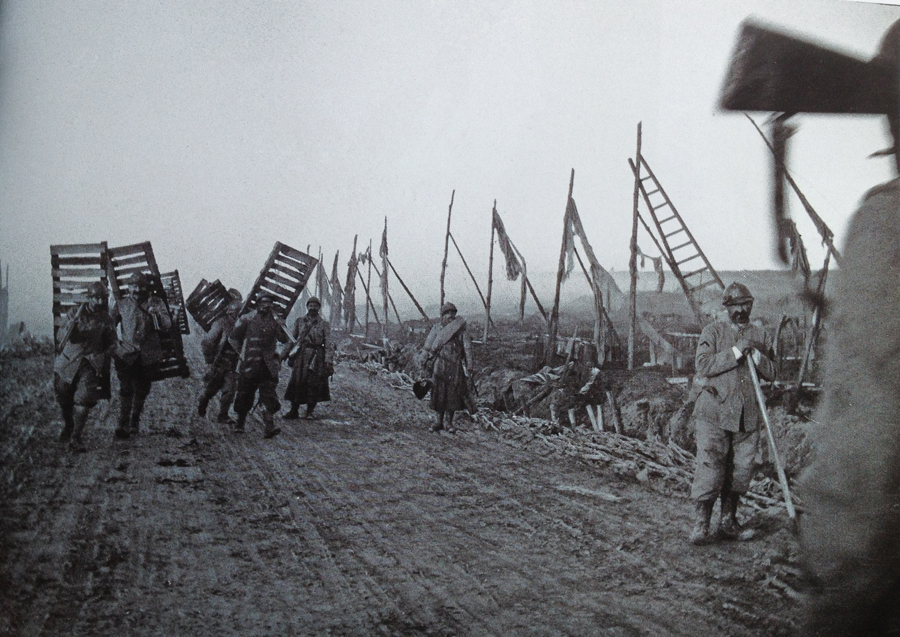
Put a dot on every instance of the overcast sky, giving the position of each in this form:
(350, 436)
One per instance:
(214, 129)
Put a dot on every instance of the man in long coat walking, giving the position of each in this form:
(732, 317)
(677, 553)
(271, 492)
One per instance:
(448, 349)
(312, 361)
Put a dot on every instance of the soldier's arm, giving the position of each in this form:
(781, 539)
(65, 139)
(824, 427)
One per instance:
(467, 350)
(765, 364)
(709, 361)
(157, 307)
(236, 338)
(210, 343)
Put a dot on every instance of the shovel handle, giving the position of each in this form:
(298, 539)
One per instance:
(782, 478)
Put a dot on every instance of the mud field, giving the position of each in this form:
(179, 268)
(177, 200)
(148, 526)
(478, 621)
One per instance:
(359, 523)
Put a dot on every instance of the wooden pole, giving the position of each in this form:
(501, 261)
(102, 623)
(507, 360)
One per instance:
(554, 314)
(366, 287)
(446, 246)
(384, 292)
(598, 308)
(490, 275)
(537, 302)
(389, 298)
(469, 270)
(369, 302)
(406, 289)
(782, 478)
(813, 334)
(632, 261)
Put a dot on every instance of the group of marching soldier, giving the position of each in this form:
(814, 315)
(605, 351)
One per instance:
(242, 356)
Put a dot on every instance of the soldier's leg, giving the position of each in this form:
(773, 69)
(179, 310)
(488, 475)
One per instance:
(450, 419)
(243, 400)
(712, 448)
(87, 393)
(268, 399)
(744, 451)
(126, 398)
(440, 422)
(309, 409)
(141, 391)
(229, 389)
(65, 394)
(215, 381)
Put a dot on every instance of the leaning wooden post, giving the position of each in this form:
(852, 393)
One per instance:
(406, 289)
(369, 302)
(367, 285)
(383, 252)
(813, 334)
(632, 261)
(554, 313)
(487, 319)
(446, 246)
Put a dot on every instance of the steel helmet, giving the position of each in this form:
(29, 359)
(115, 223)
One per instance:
(314, 300)
(447, 307)
(139, 280)
(235, 294)
(97, 290)
(736, 293)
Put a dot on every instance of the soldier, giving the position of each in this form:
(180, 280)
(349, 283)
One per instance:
(726, 414)
(222, 360)
(256, 334)
(850, 529)
(81, 369)
(312, 360)
(449, 360)
(142, 316)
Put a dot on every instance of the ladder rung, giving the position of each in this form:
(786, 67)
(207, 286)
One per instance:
(688, 259)
(683, 245)
(662, 205)
(704, 284)
(667, 218)
(652, 192)
(646, 178)
(681, 229)
(703, 269)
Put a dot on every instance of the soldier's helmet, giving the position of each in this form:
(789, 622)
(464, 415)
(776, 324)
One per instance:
(447, 307)
(236, 294)
(736, 293)
(97, 290)
(139, 281)
(234, 307)
(314, 300)
(265, 295)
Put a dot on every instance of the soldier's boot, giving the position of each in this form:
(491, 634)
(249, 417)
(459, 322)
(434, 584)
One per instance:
(309, 411)
(79, 416)
(450, 428)
(122, 428)
(136, 414)
(729, 529)
(223, 417)
(294, 412)
(202, 404)
(440, 422)
(702, 514)
(239, 425)
(68, 426)
(269, 421)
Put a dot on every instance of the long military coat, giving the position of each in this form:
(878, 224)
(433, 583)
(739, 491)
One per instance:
(312, 363)
(451, 363)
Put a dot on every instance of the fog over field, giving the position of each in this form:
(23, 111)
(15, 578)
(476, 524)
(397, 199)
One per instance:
(215, 129)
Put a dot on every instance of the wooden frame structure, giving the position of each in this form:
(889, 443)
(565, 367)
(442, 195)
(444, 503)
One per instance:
(208, 302)
(171, 282)
(73, 268)
(284, 276)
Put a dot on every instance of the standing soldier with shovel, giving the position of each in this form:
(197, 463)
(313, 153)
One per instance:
(727, 415)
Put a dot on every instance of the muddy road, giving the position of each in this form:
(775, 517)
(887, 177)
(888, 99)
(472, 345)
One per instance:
(359, 523)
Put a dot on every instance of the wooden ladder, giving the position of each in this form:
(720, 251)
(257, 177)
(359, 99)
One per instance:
(675, 241)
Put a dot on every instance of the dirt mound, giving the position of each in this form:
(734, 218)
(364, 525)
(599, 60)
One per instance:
(647, 403)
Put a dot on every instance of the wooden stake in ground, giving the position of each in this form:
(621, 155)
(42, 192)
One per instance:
(632, 260)
(782, 478)
(406, 289)
(367, 286)
(383, 277)
(369, 303)
(446, 246)
(560, 272)
(490, 275)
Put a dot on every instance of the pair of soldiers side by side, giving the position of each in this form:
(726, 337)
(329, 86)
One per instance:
(81, 369)
(221, 377)
(727, 415)
(449, 365)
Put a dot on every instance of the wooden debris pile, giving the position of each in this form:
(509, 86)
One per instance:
(666, 468)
